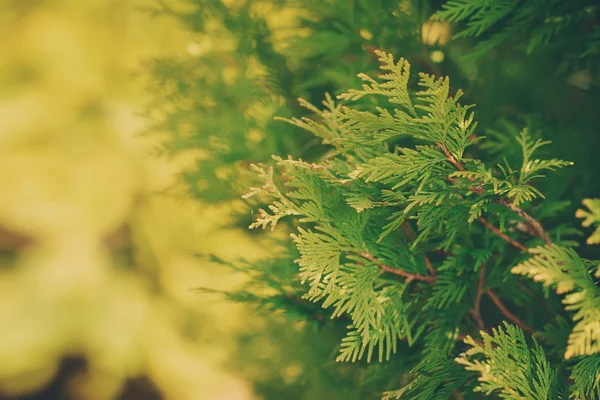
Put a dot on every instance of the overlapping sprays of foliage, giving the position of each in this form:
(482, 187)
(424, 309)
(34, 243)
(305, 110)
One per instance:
(407, 241)
(415, 226)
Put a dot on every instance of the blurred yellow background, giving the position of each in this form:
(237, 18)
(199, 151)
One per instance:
(96, 262)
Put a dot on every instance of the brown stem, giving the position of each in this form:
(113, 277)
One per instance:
(476, 311)
(411, 236)
(409, 277)
(474, 189)
(450, 157)
(408, 230)
(535, 224)
(508, 314)
(502, 235)
(479, 190)
(430, 268)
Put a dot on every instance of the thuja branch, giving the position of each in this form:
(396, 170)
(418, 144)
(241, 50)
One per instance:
(450, 157)
(409, 276)
(501, 234)
(479, 190)
(476, 311)
(430, 267)
(535, 224)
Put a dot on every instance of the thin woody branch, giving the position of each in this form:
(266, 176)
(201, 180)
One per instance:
(476, 311)
(430, 267)
(450, 157)
(409, 276)
(474, 189)
(513, 318)
(501, 234)
(533, 223)
(491, 227)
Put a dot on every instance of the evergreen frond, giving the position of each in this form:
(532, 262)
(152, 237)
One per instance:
(508, 366)
(436, 377)
(403, 216)
(564, 270)
(450, 286)
(396, 78)
(281, 206)
(480, 15)
(531, 26)
(591, 217)
(586, 378)
(329, 129)
(532, 167)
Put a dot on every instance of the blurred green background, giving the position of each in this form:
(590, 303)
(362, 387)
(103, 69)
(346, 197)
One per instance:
(98, 262)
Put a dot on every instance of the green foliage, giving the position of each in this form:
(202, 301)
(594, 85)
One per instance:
(445, 192)
(250, 69)
(435, 377)
(481, 15)
(586, 378)
(436, 185)
(404, 219)
(562, 269)
(591, 217)
(280, 208)
(508, 366)
(377, 314)
(533, 25)
(530, 170)
(443, 119)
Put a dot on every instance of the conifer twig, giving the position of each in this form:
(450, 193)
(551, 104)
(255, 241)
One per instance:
(408, 230)
(450, 157)
(476, 190)
(430, 267)
(491, 227)
(501, 234)
(535, 224)
(463, 337)
(409, 277)
(513, 318)
(476, 311)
